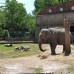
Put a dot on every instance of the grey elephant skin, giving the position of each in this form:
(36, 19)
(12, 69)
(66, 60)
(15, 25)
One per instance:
(53, 36)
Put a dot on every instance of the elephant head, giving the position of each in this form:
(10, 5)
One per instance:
(44, 37)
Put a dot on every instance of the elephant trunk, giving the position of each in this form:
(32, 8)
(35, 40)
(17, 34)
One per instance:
(39, 44)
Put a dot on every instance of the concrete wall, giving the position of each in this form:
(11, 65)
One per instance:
(52, 20)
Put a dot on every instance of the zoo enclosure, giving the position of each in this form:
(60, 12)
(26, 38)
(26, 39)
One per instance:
(54, 16)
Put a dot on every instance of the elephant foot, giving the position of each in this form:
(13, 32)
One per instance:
(63, 51)
(67, 53)
(53, 53)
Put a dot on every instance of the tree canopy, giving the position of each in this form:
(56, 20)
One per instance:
(15, 15)
(15, 19)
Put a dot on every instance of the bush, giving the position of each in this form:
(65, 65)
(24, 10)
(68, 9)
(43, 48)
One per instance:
(1, 30)
(27, 35)
(5, 34)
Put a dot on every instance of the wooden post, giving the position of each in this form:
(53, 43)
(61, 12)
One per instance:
(67, 37)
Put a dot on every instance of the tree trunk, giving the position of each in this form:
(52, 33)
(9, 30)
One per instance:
(67, 37)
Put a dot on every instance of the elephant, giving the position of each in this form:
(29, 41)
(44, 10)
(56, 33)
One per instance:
(53, 36)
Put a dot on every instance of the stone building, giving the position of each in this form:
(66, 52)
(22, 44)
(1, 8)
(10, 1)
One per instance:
(54, 17)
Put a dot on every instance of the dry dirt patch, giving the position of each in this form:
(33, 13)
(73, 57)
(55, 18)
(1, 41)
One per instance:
(29, 64)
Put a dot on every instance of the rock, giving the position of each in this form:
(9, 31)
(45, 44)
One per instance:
(8, 45)
(26, 48)
(17, 48)
(21, 48)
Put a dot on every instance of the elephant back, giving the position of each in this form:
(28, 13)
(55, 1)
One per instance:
(57, 29)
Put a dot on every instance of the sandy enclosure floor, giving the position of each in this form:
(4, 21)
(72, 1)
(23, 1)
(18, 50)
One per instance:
(29, 64)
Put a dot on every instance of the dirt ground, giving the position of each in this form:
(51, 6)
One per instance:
(43, 61)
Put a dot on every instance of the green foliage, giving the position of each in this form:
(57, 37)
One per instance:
(39, 6)
(14, 18)
(2, 18)
(5, 34)
(15, 13)
(61, 1)
(31, 24)
(1, 30)
(38, 70)
(71, 68)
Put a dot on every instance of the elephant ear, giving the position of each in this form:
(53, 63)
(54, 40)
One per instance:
(52, 34)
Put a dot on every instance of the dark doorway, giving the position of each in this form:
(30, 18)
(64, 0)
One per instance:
(72, 34)
(71, 28)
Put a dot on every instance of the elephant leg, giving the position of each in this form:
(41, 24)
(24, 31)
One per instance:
(53, 46)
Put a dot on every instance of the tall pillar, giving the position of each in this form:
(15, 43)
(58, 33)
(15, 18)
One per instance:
(67, 37)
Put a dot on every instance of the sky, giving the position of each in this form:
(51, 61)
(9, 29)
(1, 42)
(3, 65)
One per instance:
(29, 4)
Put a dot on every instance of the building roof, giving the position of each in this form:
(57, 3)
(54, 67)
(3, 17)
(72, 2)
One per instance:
(60, 8)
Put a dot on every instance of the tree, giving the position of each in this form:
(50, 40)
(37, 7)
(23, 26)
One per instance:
(5, 34)
(39, 6)
(62, 1)
(2, 19)
(15, 15)
(15, 20)
(31, 24)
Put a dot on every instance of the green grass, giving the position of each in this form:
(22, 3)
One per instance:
(38, 70)
(9, 52)
(71, 68)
